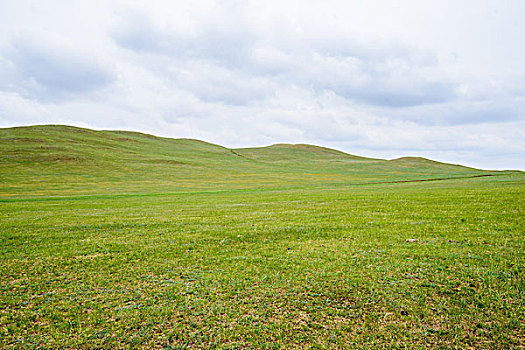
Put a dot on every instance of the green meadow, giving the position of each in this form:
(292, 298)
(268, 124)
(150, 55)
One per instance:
(116, 239)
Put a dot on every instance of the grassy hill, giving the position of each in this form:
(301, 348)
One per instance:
(52, 160)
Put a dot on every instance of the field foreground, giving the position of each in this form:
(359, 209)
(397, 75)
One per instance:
(289, 264)
(394, 265)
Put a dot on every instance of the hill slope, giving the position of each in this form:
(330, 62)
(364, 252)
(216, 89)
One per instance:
(52, 160)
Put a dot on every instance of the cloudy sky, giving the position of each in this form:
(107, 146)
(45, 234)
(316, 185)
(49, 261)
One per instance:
(442, 79)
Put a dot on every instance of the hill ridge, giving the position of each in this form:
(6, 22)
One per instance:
(47, 160)
(302, 146)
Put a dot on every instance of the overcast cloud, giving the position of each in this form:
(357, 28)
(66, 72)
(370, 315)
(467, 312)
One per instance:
(440, 79)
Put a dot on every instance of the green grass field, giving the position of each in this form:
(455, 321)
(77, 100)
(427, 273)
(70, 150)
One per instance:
(125, 240)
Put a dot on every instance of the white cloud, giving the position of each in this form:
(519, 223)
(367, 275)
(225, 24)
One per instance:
(51, 71)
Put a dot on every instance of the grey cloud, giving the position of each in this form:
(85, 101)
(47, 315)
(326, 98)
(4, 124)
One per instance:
(138, 33)
(53, 73)
(486, 114)
(210, 64)
(375, 75)
(379, 94)
(223, 86)
(459, 113)
(382, 78)
(229, 48)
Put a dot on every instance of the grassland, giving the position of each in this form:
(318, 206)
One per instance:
(124, 240)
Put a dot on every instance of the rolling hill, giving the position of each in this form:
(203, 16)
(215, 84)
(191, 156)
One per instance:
(52, 160)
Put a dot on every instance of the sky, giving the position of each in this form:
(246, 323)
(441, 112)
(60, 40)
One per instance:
(439, 79)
